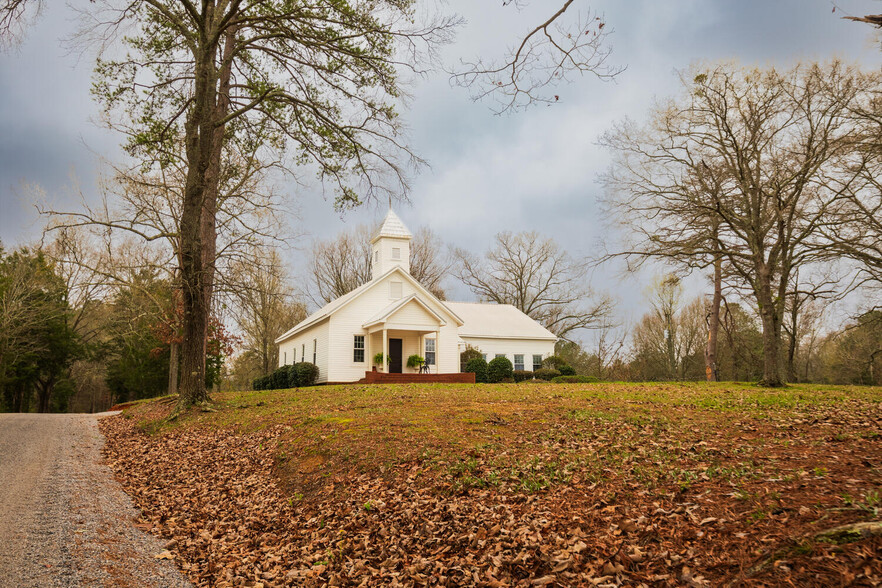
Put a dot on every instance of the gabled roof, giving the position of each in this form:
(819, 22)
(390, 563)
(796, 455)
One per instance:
(392, 226)
(387, 312)
(330, 308)
(497, 321)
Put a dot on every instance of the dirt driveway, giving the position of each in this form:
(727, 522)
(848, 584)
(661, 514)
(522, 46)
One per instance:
(64, 520)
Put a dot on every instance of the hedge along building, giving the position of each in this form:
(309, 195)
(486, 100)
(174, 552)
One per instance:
(395, 315)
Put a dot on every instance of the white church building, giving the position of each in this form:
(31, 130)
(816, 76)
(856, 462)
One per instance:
(393, 314)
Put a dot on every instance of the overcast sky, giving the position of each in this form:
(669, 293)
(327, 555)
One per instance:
(532, 170)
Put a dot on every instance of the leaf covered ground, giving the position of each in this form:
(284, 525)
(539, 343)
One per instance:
(532, 484)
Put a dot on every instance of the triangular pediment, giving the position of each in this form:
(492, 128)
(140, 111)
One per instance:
(410, 310)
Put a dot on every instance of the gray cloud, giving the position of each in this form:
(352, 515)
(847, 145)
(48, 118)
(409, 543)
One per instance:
(534, 170)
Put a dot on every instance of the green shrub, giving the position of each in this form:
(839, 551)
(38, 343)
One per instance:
(574, 380)
(469, 354)
(294, 376)
(567, 370)
(415, 361)
(521, 375)
(307, 373)
(546, 374)
(281, 378)
(499, 369)
(284, 378)
(477, 366)
(257, 384)
(553, 362)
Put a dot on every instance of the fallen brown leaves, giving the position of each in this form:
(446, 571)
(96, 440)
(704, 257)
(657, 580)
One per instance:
(592, 498)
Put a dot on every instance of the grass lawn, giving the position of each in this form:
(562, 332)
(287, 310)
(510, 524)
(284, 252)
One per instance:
(514, 484)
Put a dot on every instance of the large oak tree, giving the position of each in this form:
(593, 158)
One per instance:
(753, 152)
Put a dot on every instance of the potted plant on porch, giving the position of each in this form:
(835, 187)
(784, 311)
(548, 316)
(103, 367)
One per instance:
(416, 362)
(378, 360)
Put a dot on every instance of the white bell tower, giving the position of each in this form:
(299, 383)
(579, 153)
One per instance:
(390, 246)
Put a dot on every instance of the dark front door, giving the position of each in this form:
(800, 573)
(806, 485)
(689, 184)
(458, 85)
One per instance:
(394, 356)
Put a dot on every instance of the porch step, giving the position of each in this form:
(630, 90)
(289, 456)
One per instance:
(383, 378)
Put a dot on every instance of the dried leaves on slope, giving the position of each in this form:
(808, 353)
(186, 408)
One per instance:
(584, 497)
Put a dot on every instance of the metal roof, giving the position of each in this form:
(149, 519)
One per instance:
(391, 227)
(497, 321)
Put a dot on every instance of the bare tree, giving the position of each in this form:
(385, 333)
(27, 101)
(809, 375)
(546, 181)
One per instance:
(430, 263)
(342, 264)
(567, 42)
(14, 18)
(535, 275)
(264, 307)
(753, 149)
(668, 339)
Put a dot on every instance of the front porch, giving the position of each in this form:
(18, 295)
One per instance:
(406, 327)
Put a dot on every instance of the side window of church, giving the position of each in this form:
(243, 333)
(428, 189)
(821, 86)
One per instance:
(358, 349)
(518, 362)
(430, 352)
(314, 349)
(537, 362)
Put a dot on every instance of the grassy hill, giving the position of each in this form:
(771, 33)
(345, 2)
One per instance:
(528, 484)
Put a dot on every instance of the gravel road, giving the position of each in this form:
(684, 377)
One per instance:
(64, 520)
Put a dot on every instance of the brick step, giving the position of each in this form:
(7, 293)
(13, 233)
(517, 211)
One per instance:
(383, 378)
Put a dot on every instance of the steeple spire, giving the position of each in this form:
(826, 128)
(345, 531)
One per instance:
(390, 245)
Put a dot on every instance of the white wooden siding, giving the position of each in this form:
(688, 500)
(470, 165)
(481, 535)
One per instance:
(509, 347)
(319, 333)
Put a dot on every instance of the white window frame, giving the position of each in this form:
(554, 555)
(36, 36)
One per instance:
(535, 355)
(515, 362)
(303, 352)
(430, 353)
(314, 351)
(356, 348)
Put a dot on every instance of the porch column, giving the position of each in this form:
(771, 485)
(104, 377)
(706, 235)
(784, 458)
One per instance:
(438, 351)
(385, 365)
(368, 358)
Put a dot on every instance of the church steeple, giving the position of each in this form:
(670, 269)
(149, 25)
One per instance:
(390, 246)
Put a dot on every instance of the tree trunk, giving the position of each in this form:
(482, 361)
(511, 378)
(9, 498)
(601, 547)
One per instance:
(174, 366)
(204, 143)
(793, 339)
(713, 325)
(199, 142)
(44, 394)
(771, 350)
